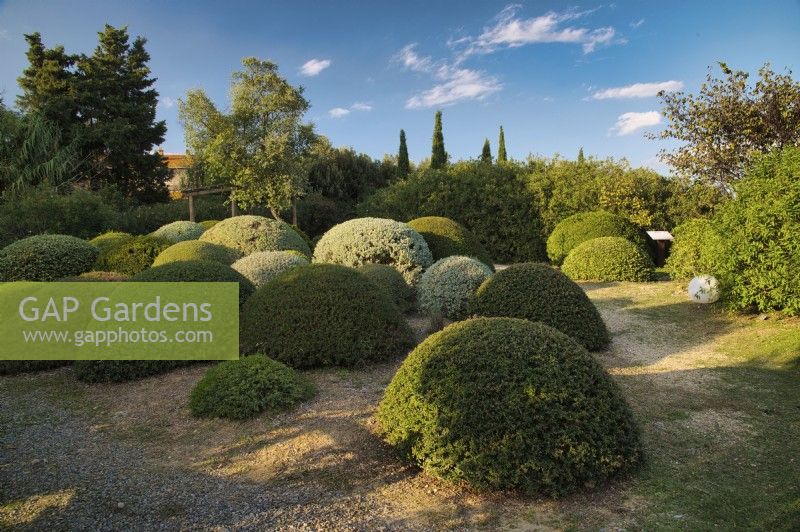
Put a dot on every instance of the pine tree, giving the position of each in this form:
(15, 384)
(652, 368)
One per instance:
(581, 158)
(403, 164)
(501, 147)
(438, 155)
(486, 154)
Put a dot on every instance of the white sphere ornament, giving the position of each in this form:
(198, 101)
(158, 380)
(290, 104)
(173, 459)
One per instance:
(704, 289)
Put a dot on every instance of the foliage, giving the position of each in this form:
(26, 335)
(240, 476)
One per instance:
(263, 266)
(448, 284)
(143, 219)
(179, 231)
(15, 367)
(722, 127)
(109, 239)
(503, 403)
(438, 155)
(486, 152)
(322, 315)
(403, 163)
(95, 276)
(538, 292)
(343, 174)
(132, 256)
(316, 213)
(502, 157)
(608, 258)
(697, 249)
(584, 226)
(392, 282)
(208, 224)
(46, 258)
(492, 201)
(250, 233)
(195, 271)
(198, 250)
(377, 241)
(446, 237)
(123, 370)
(243, 388)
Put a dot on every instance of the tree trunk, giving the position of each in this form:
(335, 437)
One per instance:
(294, 211)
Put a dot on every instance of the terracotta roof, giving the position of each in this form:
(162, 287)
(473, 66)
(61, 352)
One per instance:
(177, 160)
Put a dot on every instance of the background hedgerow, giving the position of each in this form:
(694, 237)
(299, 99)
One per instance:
(375, 241)
(15, 367)
(390, 280)
(196, 271)
(448, 284)
(46, 258)
(585, 226)
(505, 403)
(696, 250)
(262, 267)
(123, 370)
(197, 250)
(446, 237)
(322, 315)
(538, 292)
(608, 258)
(132, 256)
(179, 231)
(250, 234)
(243, 388)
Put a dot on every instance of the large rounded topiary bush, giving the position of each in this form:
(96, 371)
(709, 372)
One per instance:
(208, 224)
(538, 292)
(196, 271)
(46, 258)
(447, 286)
(110, 239)
(264, 266)
(697, 249)
(446, 237)
(584, 226)
(132, 256)
(250, 234)
(197, 250)
(504, 403)
(377, 241)
(179, 231)
(241, 389)
(609, 258)
(321, 315)
(390, 280)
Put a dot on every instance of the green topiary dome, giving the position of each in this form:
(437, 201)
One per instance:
(376, 241)
(608, 258)
(504, 403)
(262, 267)
(198, 250)
(46, 258)
(195, 271)
(250, 234)
(241, 389)
(447, 286)
(322, 315)
(696, 250)
(131, 256)
(446, 237)
(179, 231)
(538, 292)
(584, 226)
(390, 280)
(208, 224)
(111, 239)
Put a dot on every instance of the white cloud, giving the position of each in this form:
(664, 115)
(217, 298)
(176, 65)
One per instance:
(338, 112)
(638, 90)
(313, 67)
(637, 23)
(412, 61)
(358, 106)
(627, 123)
(166, 101)
(458, 84)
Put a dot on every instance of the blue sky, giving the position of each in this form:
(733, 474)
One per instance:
(556, 75)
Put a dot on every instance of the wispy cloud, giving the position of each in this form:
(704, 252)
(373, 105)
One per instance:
(638, 90)
(456, 85)
(409, 58)
(358, 106)
(341, 112)
(313, 67)
(628, 123)
(166, 102)
(637, 23)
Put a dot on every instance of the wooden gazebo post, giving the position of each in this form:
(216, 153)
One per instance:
(204, 191)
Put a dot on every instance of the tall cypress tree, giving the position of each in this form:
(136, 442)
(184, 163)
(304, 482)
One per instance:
(581, 158)
(501, 147)
(438, 155)
(403, 164)
(486, 154)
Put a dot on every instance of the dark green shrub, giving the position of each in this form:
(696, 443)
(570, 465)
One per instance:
(504, 403)
(321, 315)
(585, 226)
(123, 370)
(196, 271)
(198, 250)
(132, 256)
(608, 258)
(15, 367)
(446, 237)
(538, 292)
(696, 250)
(390, 280)
(241, 389)
(316, 213)
(95, 276)
(46, 258)
(110, 239)
(144, 219)
(250, 234)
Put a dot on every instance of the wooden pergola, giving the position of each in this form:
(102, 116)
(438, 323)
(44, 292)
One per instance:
(205, 191)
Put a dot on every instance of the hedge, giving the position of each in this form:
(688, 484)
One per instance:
(584, 226)
(46, 258)
(123, 370)
(696, 250)
(609, 258)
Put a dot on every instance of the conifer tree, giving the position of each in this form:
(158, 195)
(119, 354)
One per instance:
(486, 154)
(501, 147)
(438, 155)
(403, 164)
(581, 158)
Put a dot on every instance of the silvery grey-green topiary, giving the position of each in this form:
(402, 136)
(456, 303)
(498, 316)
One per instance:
(250, 234)
(46, 258)
(179, 231)
(260, 268)
(376, 241)
(447, 286)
